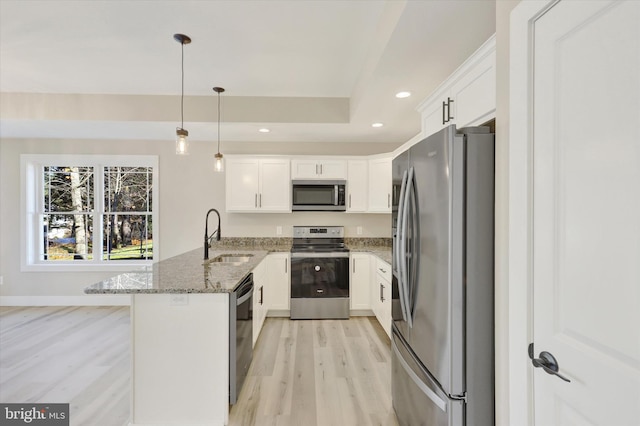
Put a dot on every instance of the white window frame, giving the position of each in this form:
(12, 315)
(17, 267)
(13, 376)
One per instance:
(31, 185)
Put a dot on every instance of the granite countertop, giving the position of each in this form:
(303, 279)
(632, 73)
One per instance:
(189, 273)
(380, 247)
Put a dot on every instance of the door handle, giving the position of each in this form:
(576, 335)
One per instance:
(548, 363)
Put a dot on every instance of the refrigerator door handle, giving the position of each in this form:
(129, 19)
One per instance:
(442, 404)
(413, 262)
(403, 285)
(400, 243)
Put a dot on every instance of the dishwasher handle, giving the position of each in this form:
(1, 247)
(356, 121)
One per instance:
(244, 290)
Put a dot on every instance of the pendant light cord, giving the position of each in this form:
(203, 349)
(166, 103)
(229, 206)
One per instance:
(218, 122)
(182, 96)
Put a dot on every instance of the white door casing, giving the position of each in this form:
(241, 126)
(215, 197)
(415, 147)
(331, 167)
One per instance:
(574, 207)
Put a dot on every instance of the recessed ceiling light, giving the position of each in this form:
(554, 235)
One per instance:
(264, 130)
(403, 95)
(377, 125)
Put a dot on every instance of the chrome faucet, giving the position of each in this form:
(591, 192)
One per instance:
(207, 237)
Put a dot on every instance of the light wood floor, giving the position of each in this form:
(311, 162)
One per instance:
(322, 373)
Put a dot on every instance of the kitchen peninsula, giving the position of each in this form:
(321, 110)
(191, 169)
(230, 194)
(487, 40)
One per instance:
(180, 324)
(180, 335)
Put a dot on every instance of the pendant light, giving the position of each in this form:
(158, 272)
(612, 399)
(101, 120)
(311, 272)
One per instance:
(219, 165)
(182, 144)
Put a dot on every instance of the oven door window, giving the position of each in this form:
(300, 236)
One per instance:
(319, 277)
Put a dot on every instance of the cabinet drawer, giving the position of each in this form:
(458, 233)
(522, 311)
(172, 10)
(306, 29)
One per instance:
(383, 269)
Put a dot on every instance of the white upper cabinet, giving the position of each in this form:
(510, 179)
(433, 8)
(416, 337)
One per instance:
(357, 186)
(380, 185)
(318, 169)
(467, 97)
(258, 185)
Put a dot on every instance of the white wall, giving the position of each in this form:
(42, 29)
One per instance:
(188, 188)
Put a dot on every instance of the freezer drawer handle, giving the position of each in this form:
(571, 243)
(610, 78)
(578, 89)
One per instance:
(548, 363)
(424, 388)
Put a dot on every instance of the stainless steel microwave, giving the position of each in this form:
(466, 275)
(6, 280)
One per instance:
(318, 195)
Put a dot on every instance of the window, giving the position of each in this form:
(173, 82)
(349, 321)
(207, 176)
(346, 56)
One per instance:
(83, 212)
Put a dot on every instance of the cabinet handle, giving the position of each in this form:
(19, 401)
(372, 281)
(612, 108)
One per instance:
(320, 168)
(444, 105)
(349, 200)
(389, 200)
(261, 295)
(256, 200)
(260, 198)
(285, 266)
(317, 170)
(449, 102)
(382, 270)
(354, 266)
(381, 292)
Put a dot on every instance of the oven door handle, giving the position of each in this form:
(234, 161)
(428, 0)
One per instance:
(316, 255)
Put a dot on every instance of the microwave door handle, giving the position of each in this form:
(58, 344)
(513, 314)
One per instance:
(335, 193)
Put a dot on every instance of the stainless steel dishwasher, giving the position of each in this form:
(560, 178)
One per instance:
(240, 335)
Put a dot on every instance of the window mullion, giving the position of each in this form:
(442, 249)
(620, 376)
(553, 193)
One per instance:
(98, 212)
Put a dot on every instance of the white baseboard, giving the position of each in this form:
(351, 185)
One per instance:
(88, 300)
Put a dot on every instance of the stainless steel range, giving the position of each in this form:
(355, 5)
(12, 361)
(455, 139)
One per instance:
(319, 273)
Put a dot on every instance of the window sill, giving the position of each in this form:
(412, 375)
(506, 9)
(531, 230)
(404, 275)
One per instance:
(71, 267)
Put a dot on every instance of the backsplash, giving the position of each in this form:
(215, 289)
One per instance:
(252, 242)
(285, 242)
(367, 242)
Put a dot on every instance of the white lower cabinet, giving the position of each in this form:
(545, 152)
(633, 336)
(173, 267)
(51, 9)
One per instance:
(278, 296)
(381, 293)
(260, 284)
(360, 292)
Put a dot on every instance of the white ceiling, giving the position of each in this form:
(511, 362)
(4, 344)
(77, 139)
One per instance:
(359, 51)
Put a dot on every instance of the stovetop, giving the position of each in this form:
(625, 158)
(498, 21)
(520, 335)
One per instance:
(318, 239)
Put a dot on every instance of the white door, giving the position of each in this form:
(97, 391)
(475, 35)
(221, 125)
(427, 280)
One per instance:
(586, 212)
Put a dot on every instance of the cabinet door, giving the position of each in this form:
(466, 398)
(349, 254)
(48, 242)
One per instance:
(474, 94)
(275, 186)
(357, 186)
(333, 169)
(259, 293)
(381, 294)
(318, 169)
(432, 117)
(242, 184)
(380, 185)
(278, 271)
(304, 169)
(360, 281)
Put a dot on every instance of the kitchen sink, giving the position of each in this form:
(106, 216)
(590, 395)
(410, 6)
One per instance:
(230, 258)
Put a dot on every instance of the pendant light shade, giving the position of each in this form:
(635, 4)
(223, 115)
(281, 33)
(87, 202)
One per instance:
(219, 160)
(182, 143)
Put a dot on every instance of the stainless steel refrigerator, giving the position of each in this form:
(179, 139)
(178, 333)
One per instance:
(442, 304)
